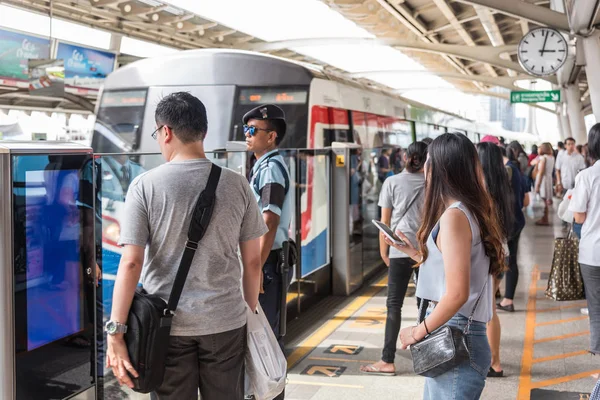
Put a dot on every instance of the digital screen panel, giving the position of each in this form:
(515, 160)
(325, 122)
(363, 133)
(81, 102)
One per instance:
(49, 274)
(272, 96)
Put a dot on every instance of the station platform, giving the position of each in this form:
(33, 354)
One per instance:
(543, 348)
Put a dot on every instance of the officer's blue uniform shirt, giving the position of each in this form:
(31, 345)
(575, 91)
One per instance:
(271, 194)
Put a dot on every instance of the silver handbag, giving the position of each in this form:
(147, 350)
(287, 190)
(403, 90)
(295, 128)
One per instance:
(442, 349)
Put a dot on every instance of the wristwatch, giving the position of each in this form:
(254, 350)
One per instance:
(114, 327)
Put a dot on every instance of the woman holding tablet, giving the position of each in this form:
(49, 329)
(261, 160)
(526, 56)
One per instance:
(400, 200)
(459, 249)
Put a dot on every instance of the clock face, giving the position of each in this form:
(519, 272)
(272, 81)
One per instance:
(542, 51)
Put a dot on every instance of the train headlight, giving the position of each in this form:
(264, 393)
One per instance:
(111, 230)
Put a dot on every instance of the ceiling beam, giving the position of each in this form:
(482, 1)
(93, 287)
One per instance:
(460, 29)
(485, 54)
(530, 12)
(402, 14)
(502, 81)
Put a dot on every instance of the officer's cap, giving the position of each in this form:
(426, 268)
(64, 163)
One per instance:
(264, 112)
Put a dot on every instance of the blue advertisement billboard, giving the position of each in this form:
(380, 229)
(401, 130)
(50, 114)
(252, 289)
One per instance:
(15, 51)
(85, 67)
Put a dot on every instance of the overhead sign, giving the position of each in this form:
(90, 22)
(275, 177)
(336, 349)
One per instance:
(84, 67)
(16, 49)
(540, 96)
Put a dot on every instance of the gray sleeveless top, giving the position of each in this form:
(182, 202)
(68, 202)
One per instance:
(432, 277)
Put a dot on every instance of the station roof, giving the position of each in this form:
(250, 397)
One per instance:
(465, 44)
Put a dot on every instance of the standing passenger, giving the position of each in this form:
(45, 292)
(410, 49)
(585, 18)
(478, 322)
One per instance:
(520, 200)
(498, 186)
(568, 166)
(207, 345)
(543, 181)
(401, 201)
(534, 153)
(460, 242)
(585, 204)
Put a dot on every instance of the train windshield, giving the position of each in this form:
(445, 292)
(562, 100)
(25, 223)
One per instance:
(119, 121)
(293, 102)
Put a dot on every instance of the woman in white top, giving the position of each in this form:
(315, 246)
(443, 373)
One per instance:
(543, 181)
(585, 205)
(461, 248)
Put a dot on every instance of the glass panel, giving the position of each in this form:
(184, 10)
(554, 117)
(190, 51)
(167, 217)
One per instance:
(358, 174)
(370, 211)
(314, 210)
(54, 282)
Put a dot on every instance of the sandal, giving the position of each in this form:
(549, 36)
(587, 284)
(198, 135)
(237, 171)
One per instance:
(492, 373)
(371, 369)
(508, 308)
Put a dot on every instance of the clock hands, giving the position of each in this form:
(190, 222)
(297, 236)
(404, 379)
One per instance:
(543, 50)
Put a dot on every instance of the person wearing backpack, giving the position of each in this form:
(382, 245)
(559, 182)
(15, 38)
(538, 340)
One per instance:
(207, 343)
(265, 128)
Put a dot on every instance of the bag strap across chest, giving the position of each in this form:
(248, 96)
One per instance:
(198, 225)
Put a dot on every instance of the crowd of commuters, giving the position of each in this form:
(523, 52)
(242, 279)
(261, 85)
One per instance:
(457, 208)
(500, 180)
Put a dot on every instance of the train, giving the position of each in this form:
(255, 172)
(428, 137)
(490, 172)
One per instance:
(321, 107)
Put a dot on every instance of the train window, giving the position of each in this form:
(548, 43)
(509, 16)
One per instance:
(122, 113)
(293, 102)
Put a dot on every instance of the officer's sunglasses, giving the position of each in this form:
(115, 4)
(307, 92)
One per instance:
(251, 130)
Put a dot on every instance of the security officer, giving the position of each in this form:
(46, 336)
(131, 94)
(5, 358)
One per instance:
(264, 128)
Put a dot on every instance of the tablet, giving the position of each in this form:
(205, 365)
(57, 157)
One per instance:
(388, 232)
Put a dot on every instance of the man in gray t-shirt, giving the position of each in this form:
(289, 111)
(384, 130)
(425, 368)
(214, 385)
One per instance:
(206, 350)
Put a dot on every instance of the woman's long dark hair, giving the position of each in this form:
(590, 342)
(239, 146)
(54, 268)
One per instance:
(416, 155)
(498, 185)
(454, 171)
(515, 150)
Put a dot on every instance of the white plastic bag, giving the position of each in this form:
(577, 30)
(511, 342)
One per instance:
(563, 208)
(266, 366)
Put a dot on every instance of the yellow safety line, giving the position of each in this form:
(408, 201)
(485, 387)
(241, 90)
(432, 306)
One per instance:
(310, 343)
(560, 356)
(567, 336)
(524, 392)
(343, 359)
(325, 384)
(562, 321)
(563, 379)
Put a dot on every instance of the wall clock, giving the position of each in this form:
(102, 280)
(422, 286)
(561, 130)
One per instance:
(542, 51)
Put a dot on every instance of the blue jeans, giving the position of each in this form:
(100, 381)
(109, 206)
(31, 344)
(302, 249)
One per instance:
(466, 381)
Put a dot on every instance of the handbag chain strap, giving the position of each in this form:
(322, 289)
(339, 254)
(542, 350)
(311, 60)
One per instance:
(470, 321)
(198, 225)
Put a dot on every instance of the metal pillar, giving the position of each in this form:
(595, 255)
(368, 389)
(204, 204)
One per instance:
(591, 49)
(575, 112)
(563, 121)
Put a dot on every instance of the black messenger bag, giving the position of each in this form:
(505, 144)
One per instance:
(150, 317)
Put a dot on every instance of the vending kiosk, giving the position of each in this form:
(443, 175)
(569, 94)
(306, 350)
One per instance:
(47, 282)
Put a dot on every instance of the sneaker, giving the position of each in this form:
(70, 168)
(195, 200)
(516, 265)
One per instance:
(585, 311)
